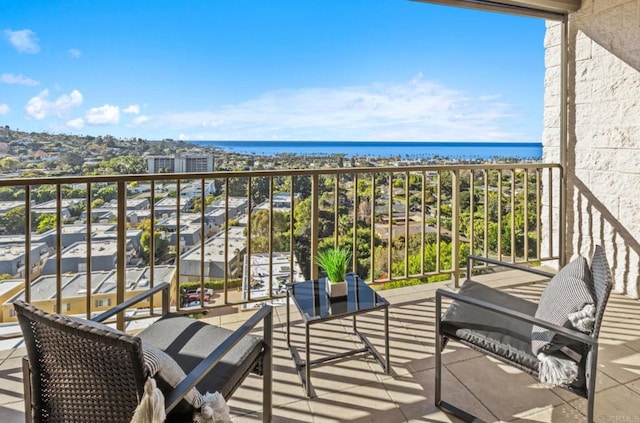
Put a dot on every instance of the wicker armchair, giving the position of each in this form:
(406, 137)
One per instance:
(83, 372)
(506, 327)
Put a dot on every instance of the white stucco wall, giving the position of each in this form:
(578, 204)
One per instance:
(603, 157)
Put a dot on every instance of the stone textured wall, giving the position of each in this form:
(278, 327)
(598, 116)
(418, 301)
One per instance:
(603, 157)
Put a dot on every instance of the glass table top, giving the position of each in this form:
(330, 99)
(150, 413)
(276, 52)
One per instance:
(315, 304)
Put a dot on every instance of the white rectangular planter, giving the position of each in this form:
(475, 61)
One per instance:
(336, 289)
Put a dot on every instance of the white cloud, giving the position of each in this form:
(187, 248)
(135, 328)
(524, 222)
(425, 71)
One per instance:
(133, 109)
(8, 78)
(74, 52)
(184, 137)
(40, 107)
(140, 120)
(104, 115)
(4, 109)
(24, 40)
(414, 110)
(75, 123)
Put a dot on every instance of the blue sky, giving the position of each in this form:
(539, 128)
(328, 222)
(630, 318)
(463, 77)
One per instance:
(276, 69)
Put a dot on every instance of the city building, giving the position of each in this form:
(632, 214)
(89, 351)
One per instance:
(180, 163)
(216, 263)
(262, 269)
(13, 255)
(74, 258)
(74, 290)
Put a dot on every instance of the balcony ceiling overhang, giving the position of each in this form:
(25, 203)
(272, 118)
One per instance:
(547, 9)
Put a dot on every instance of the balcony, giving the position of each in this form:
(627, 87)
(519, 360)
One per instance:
(410, 229)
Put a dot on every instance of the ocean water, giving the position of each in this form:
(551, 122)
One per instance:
(402, 149)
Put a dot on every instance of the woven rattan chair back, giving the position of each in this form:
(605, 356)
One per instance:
(80, 373)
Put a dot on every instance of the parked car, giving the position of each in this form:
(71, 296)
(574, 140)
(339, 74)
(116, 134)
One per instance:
(193, 295)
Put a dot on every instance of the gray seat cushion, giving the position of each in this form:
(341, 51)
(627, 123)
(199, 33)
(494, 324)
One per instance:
(189, 341)
(495, 333)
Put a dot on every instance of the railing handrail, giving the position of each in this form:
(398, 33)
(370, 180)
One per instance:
(89, 179)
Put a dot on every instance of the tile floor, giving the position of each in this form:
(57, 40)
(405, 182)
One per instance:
(356, 389)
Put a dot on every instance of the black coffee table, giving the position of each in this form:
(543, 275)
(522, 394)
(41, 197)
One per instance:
(317, 307)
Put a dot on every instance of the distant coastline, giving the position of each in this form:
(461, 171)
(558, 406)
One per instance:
(448, 149)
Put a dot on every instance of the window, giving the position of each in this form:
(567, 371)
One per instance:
(103, 303)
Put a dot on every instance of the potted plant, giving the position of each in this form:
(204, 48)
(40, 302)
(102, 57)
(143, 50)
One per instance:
(335, 262)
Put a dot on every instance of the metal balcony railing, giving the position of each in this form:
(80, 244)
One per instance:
(404, 225)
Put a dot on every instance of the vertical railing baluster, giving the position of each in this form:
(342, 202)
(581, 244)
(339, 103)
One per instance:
(513, 215)
(455, 227)
(354, 248)
(225, 276)
(372, 225)
(121, 266)
(58, 248)
(423, 224)
(247, 256)
(438, 219)
(336, 209)
(27, 243)
(472, 206)
(526, 214)
(88, 268)
(500, 192)
(315, 217)
(270, 295)
(152, 245)
(538, 214)
(178, 246)
(486, 213)
(202, 239)
(291, 229)
(562, 253)
(407, 191)
(390, 227)
(550, 185)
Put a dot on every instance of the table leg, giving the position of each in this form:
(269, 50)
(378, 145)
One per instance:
(288, 320)
(386, 340)
(307, 367)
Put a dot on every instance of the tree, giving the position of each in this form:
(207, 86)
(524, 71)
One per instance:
(44, 193)
(237, 187)
(107, 193)
(13, 221)
(161, 244)
(97, 203)
(260, 231)
(46, 222)
(9, 164)
(6, 194)
(72, 159)
(122, 165)
(198, 201)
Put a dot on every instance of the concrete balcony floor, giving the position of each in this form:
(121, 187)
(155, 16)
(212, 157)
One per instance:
(355, 389)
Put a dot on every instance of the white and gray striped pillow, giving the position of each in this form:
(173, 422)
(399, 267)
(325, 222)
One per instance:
(569, 291)
(161, 366)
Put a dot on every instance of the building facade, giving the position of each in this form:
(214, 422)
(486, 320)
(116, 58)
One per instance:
(603, 144)
(181, 163)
